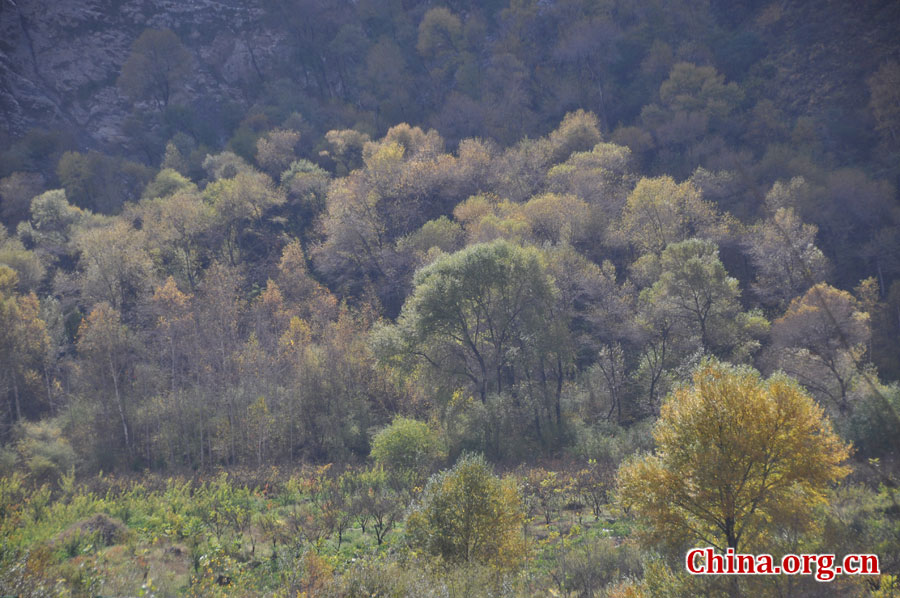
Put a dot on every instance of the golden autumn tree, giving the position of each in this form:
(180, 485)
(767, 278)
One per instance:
(736, 457)
(821, 340)
(23, 346)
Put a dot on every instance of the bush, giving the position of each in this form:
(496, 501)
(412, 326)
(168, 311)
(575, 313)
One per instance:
(408, 447)
(46, 453)
(467, 514)
(591, 565)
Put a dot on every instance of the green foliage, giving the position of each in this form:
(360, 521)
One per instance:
(467, 514)
(694, 288)
(166, 183)
(874, 425)
(156, 69)
(45, 452)
(659, 212)
(16, 192)
(409, 448)
(500, 271)
(99, 182)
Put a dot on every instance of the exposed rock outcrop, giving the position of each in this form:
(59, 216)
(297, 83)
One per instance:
(60, 59)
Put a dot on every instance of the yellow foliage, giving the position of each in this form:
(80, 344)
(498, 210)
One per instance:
(736, 456)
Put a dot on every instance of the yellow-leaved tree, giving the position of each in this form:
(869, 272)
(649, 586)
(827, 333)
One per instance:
(737, 458)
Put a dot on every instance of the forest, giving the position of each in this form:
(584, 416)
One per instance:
(462, 299)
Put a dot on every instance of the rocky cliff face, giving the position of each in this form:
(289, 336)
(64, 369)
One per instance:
(59, 59)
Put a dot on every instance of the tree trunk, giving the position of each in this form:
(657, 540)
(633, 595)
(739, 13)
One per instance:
(119, 405)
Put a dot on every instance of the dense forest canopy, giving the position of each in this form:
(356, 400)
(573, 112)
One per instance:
(363, 256)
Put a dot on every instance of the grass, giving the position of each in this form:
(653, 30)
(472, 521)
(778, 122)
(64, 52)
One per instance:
(192, 537)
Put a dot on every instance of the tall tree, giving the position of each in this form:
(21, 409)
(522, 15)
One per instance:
(737, 459)
(24, 342)
(659, 211)
(107, 348)
(821, 340)
(783, 251)
(484, 320)
(694, 287)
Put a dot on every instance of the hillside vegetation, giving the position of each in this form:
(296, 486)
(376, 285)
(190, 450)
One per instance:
(460, 300)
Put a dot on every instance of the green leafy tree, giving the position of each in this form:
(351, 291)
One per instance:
(467, 514)
(54, 222)
(408, 448)
(694, 288)
(156, 69)
(484, 320)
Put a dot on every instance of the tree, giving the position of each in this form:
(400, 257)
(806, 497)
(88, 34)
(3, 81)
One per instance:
(692, 88)
(389, 79)
(557, 218)
(276, 150)
(24, 343)
(305, 186)
(601, 177)
(737, 459)
(407, 447)
(440, 32)
(660, 211)
(375, 502)
(176, 227)
(115, 265)
(786, 258)
(106, 346)
(310, 299)
(579, 131)
(156, 69)
(820, 340)
(27, 264)
(440, 43)
(474, 314)
(694, 287)
(346, 148)
(99, 182)
(884, 88)
(54, 222)
(240, 205)
(16, 192)
(484, 323)
(167, 182)
(467, 514)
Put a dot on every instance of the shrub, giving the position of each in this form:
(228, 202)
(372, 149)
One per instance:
(407, 447)
(467, 514)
